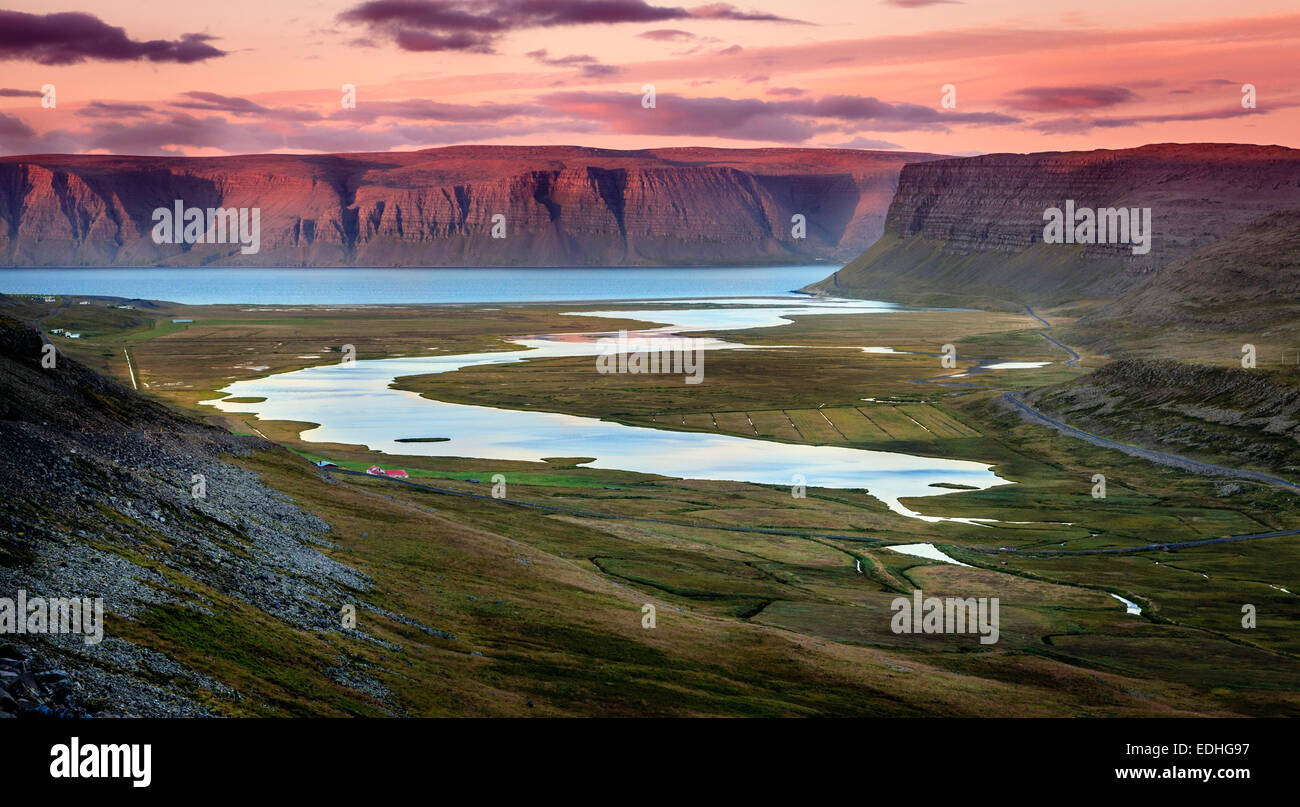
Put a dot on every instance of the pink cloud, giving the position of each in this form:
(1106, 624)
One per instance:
(1060, 99)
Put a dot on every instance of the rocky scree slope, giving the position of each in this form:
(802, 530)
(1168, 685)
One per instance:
(96, 501)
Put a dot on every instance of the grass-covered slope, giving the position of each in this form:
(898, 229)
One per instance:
(1234, 416)
(926, 271)
(476, 607)
(1247, 284)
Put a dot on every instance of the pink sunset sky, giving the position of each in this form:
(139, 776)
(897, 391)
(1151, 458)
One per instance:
(244, 76)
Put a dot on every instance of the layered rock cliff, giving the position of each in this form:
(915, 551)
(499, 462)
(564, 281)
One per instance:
(973, 228)
(563, 206)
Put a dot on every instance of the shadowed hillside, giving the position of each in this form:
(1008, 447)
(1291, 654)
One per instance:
(1247, 283)
(99, 501)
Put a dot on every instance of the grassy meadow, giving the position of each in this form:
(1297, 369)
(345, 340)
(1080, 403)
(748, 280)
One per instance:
(547, 609)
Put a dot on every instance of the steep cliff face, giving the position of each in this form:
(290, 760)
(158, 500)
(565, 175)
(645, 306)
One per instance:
(973, 227)
(563, 206)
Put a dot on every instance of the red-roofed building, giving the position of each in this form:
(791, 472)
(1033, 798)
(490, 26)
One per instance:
(395, 473)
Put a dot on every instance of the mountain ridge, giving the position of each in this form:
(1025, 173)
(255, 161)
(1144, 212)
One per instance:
(563, 206)
(972, 227)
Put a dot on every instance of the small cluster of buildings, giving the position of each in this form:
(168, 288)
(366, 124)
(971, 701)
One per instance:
(68, 334)
(373, 470)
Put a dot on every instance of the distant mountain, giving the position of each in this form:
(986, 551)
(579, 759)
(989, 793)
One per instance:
(563, 206)
(972, 229)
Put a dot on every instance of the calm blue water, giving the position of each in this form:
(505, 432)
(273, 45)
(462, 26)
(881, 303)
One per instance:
(210, 286)
(356, 404)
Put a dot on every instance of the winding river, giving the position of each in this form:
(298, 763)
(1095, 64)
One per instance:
(355, 404)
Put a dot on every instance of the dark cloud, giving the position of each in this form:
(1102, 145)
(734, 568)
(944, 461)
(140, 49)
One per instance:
(589, 65)
(200, 120)
(423, 109)
(211, 101)
(73, 37)
(108, 109)
(215, 102)
(16, 137)
(867, 143)
(787, 92)
(726, 11)
(476, 25)
(178, 131)
(384, 138)
(753, 119)
(351, 139)
(1179, 117)
(419, 41)
(742, 119)
(882, 116)
(1082, 123)
(6, 92)
(1065, 99)
(668, 35)
(13, 128)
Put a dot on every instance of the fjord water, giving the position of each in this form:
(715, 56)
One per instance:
(354, 404)
(217, 286)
